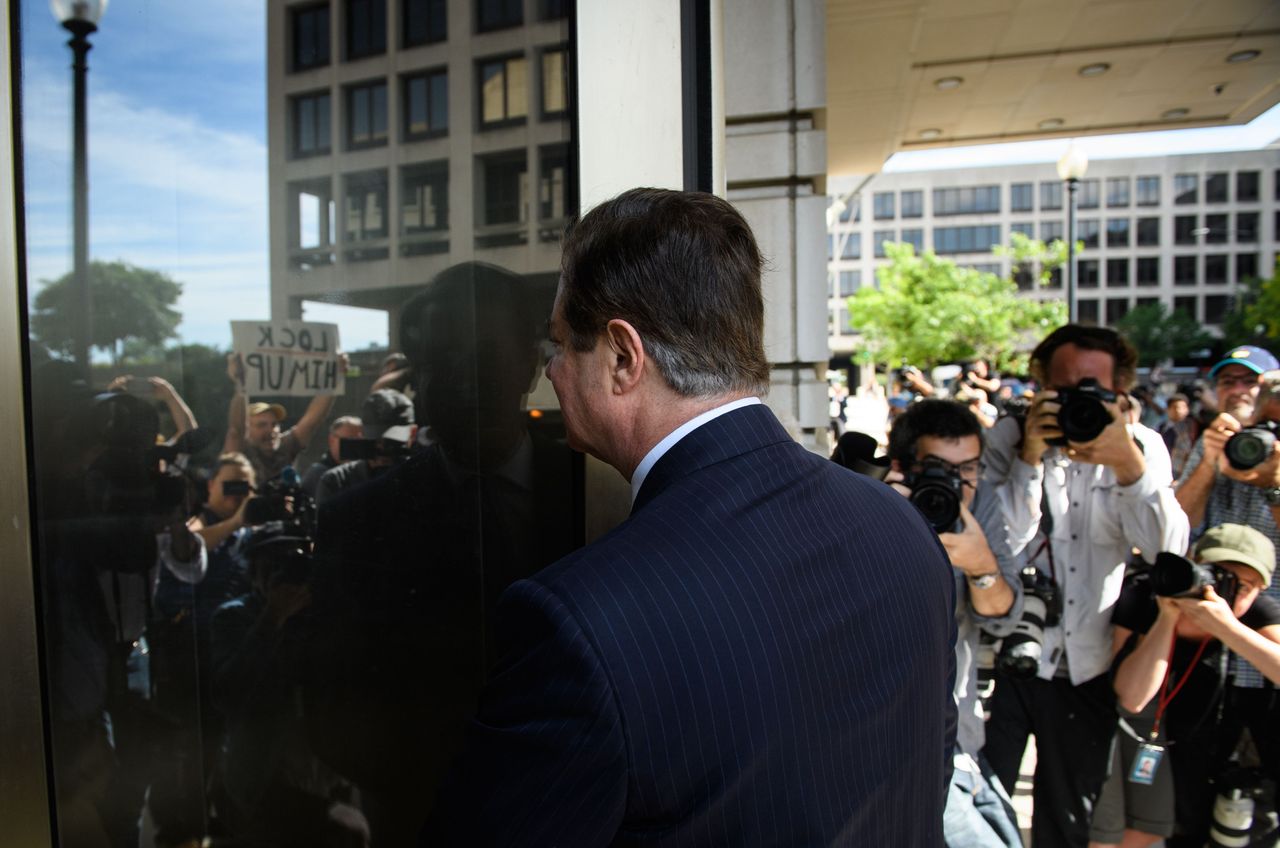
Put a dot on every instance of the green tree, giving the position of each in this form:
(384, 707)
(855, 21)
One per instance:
(1161, 335)
(928, 310)
(130, 305)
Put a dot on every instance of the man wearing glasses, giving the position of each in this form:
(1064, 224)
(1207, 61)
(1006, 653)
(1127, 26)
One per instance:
(1213, 493)
(946, 434)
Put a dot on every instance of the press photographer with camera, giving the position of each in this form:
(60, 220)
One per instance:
(936, 453)
(1106, 484)
(387, 433)
(1175, 627)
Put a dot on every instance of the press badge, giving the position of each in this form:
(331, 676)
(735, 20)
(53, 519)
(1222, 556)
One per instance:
(1145, 764)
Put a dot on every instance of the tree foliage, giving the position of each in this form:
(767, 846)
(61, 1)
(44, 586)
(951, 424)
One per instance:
(130, 304)
(1161, 335)
(929, 311)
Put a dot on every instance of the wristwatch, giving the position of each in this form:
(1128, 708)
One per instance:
(984, 581)
(1272, 495)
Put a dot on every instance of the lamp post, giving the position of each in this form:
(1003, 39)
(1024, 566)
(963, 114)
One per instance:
(80, 18)
(1071, 168)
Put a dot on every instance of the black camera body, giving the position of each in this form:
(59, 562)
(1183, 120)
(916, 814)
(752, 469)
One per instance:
(1252, 446)
(1082, 415)
(1041, 607)
(1175, 576)
(350, 450)
(936, 491)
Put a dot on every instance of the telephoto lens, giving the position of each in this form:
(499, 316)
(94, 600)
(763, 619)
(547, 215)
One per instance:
(1022, 649)
(1082, 416)
(1175, 576)
(1251, 446)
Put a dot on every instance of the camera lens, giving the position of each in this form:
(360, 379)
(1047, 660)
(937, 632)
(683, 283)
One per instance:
(1083, 419)
(1249, 448)
(940, 506)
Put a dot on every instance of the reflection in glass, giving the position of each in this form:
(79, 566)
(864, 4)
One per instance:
(426, 104)
(504, 91)
(367, 114)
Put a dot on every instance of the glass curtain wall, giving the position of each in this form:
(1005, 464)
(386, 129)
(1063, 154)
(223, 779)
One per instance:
(311, 442)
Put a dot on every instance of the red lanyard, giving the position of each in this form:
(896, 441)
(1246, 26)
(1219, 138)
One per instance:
(1165, 695)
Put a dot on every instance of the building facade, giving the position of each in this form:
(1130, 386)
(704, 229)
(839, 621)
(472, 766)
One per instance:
(1181, 230)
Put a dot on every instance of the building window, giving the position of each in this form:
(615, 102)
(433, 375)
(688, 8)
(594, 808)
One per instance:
(913, 204)
(1020, 197)
(1215, 188)
(1148, 190)
(850, 282)
(1117, 191)
(309, 31)
(1050, 196)
(1218, 229)
(365, 212)
(1246, 227)
(1148, 271)
(1215, 308)
(978, 239)
(1087, 232)
(915, 238)
(1184, 270)
(852, 247)
(424, 21)
(1246, 267)
(1087, 273)
(1087, 311)
(1055, 278)
(1089, 191)
(1145, 301)
(424, 208)
(1148, 232)
(1027, 228)
(831, 246)
(499, 14)
(966, 201)
(1024, 276)
(1246, 186)
(1117, 273)
(366, 28)
(1117, 308)
(1185, 189)
(878, 241)
(504, 189)
(504, 91)
(311, 223)
(426, 104)
(1184, 229)
(367, 115)
(555, 82)
(1117, 232)
(309, 120)
(1215, 268)
(843, 322)
(553, 164)
(1050, 231)
(882, 205)
(1187, 305)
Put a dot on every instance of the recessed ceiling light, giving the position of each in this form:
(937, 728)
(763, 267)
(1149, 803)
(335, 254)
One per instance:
(1096, 69)
(948, 83)
(930, 134)
(1243, 56)
(1175, 114)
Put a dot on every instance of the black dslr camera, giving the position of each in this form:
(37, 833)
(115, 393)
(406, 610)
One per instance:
(1175, 576)
(936, 490)
(1251, 446)
(1041, 607)
(1082, 416)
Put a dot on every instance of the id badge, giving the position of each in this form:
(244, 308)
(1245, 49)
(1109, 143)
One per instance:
(1145, 764)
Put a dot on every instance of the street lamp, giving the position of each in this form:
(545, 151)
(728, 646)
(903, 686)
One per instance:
(1071, 168)
(80, 18)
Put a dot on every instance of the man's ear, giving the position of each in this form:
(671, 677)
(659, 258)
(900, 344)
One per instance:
(628, 360)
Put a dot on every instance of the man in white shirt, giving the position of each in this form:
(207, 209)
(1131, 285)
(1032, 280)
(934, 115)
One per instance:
(1078, 507)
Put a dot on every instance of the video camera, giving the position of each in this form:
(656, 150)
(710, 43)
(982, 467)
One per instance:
(1082, 415)
(1252, 446)
(284, 521)
(1175, 576)
(1041, 607)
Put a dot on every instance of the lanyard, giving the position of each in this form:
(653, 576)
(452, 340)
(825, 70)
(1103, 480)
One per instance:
(1166, 697)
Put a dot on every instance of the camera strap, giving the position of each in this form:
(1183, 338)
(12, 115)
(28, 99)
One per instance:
(1166, 696)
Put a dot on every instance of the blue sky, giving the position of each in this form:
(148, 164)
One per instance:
(178, 155)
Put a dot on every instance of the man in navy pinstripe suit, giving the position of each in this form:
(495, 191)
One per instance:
(762, 653)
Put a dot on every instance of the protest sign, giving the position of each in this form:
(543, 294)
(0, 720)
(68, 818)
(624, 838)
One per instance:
(288, 358)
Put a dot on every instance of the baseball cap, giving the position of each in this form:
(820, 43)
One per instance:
(1254, 358)
(1238, 543)
(388, 414)
(274, 408)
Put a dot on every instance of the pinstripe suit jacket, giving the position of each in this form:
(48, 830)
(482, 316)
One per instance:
(760, 655)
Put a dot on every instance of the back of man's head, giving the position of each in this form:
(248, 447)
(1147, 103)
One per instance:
(683, 269)
(942, 419)
(1102, 339)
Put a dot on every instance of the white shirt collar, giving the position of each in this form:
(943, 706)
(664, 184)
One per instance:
(655, 453)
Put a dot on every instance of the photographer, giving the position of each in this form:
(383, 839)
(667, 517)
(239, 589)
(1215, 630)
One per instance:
(1106, 484)
(1175, 648)
(388, 430)
(945, 436)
